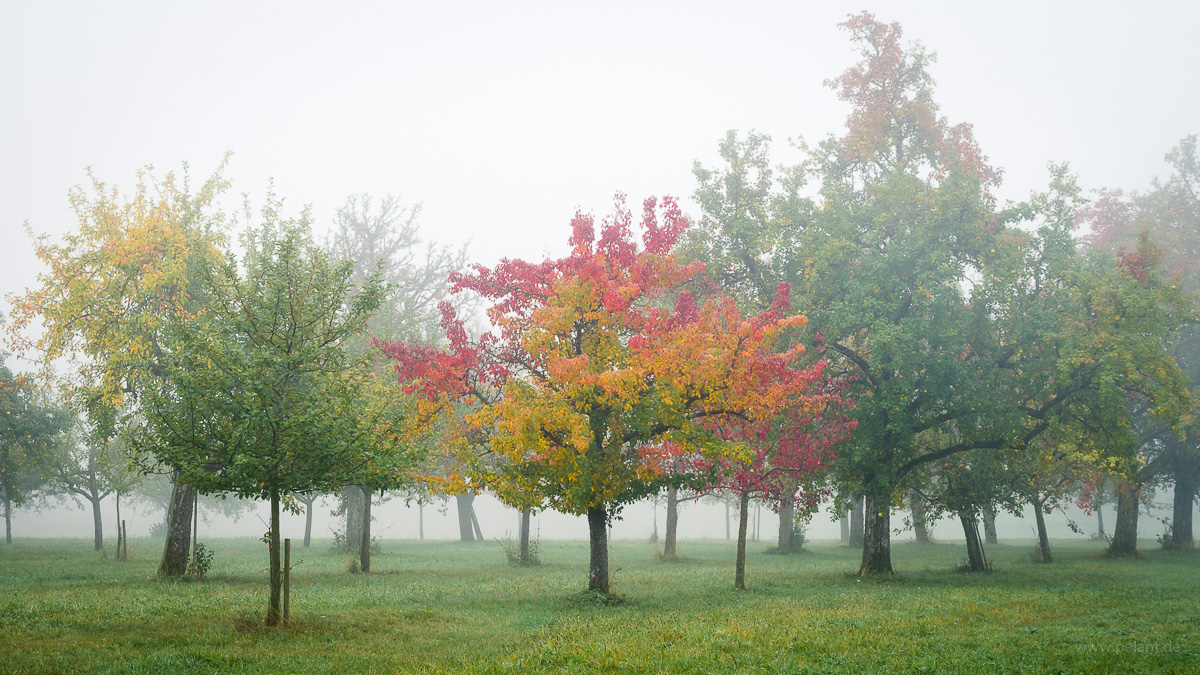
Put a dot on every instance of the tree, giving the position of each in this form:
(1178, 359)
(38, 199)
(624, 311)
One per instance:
(1046, 478)
(1098, 324)
(309, 500)
(384, 237)
(112, 289)
(786, 454)
(905, 220)
(1157, 447)
(91, 467)
(920, 516)
(962, 485)
(264, 400)
(671, 529)
(749, 233)
(747, 239)
(857, 521)
(594, 375)
(31, 432)
(948, 313)
(1168, 216)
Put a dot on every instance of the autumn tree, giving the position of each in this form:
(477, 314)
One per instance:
(1168, 217)
(595, 376)
(1099, 322)
(111, 290)
(780, 458)
(945, 311)
(263, 399)
(905, 219)
(748, 239)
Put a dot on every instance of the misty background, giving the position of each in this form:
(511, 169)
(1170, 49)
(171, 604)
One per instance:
(502, 119)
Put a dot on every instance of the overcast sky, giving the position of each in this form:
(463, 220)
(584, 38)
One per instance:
(504, 117)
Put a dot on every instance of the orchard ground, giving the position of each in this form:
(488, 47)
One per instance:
(447, 606)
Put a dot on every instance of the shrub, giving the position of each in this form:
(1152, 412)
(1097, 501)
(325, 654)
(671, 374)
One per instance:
(201, 562)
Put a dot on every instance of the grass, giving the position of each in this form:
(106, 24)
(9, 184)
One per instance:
(446, 606)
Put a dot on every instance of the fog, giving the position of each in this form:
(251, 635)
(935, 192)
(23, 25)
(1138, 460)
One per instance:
(503, 118)
(697, 520)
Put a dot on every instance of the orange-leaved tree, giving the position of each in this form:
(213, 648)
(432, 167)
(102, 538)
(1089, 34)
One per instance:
(597, 362)
(111, 290)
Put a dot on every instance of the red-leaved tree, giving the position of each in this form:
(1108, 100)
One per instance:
(596, 360)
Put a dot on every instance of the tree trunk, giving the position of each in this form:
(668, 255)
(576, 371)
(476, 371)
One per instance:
(844, 526)
(877, 533)
(308, 522)
(97, 525)
(1039, 513)
(739, 575)
(1181, 518)
(1124, 541)
(989, 525)
(672, 523)
(524, 535)
(179, 532)
(364, 545)
(1129, 492)
(421, 520)
(475, 524)
(856, 521)
(7, 520)
(787, 525)
(352, 500)
(920, 527)
(466, 514)
(274, 611)
(654, 532)
(976, 562)
(598, 540)
(1100, 520)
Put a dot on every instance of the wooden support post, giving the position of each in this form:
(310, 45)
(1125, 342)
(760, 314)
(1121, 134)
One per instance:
(195, 523)
(287, 576)
(124, 541)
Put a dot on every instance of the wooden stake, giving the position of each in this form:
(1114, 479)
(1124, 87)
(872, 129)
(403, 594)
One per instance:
(195, 522)
(287, 575)
(124, 541)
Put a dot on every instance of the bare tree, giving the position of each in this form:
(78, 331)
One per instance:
(384, 235)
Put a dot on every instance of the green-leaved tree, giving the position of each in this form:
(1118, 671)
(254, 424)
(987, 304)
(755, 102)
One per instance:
(264, 400)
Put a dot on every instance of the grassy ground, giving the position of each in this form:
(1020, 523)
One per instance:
(446, 606)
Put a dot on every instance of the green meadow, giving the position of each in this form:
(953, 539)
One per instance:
(452, 607)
